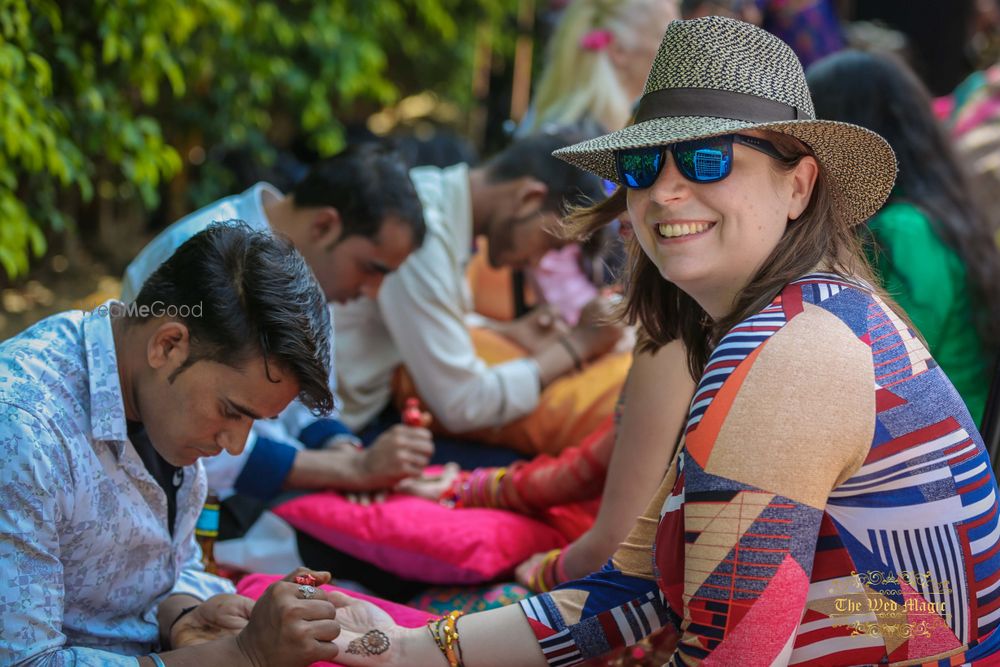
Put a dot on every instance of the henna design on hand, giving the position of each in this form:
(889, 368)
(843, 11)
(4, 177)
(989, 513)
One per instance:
(373, 642)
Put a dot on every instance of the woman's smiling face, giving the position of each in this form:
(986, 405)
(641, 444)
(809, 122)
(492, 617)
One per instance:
(710, 239)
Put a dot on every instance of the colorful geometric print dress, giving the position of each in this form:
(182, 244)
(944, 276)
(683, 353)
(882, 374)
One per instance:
(831, 504)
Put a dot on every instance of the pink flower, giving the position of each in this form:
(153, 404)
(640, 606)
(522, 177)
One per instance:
(596, 40)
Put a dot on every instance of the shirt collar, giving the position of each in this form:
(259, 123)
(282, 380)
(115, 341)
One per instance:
(259, 219)
(456, 182)
(107, 406)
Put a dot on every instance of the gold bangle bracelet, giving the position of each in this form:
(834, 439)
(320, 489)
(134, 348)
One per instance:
(451, 639)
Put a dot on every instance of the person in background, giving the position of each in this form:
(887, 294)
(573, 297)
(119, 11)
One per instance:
(621, 464)
(596, 62)
(973, 118)
(811, 27)
(932, 246)
(355, 217)
(106, 416)
(421, 315)
(594, 69)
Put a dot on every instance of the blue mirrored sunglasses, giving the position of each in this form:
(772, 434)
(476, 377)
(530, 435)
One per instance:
(702, 160)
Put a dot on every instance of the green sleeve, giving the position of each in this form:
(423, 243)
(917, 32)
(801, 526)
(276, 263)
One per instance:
(918, 271)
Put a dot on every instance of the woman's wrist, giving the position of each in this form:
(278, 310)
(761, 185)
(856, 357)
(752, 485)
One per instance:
(417, 647)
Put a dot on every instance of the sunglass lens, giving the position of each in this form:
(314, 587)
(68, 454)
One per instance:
(638, 168)
(705, 160)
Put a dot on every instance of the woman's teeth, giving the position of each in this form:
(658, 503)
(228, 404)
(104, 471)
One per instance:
(673, 231)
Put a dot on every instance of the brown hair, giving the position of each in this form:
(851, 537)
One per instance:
(817, 239)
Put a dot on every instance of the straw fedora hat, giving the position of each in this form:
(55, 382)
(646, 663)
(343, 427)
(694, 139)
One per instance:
(715, 76)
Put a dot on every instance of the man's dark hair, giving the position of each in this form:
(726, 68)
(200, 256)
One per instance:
(568, 186)
(365, 183)
(257, 297)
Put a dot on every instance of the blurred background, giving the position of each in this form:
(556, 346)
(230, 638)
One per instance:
(119, 116)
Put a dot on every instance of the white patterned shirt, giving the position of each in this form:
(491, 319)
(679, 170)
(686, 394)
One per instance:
(421, 319)
(85, 552)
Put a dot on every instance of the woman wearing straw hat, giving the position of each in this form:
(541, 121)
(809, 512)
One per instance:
(832, 502)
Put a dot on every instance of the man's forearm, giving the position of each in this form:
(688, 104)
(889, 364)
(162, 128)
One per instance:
(218, 652)
(340, 467)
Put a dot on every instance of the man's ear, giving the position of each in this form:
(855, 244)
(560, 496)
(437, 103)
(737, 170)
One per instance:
(325, 227)
(530, 194)
(169, 346)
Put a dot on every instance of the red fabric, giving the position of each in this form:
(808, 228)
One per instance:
(422, 540)
(254, 585)
(572, 520)
(575, 475)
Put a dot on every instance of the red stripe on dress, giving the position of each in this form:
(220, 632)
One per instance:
(791, 301)
(912, 439)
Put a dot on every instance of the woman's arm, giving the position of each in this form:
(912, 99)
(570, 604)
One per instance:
(656, 398)
(611, 608)
(738, 539)
(495, 638)
(657, 395)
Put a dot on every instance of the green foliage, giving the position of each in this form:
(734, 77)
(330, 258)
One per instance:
(105, 97)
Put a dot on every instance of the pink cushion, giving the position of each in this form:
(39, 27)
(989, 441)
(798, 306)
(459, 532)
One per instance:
(420, 540)
(254, 585)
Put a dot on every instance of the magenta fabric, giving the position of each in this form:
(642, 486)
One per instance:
(421, 540)
(562, 282)
(254, 585)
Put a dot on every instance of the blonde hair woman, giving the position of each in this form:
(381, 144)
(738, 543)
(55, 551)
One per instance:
(597, 61)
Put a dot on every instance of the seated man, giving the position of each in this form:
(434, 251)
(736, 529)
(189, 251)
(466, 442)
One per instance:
(105, 417)
(420, 316)
(354, 218)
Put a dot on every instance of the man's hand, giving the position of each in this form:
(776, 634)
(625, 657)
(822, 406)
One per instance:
(596, 332)
(219, 616)
(401, 452)
(536, 329)
(287, 628)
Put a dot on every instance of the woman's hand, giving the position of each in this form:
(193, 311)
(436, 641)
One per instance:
(431, 487)
(368, 635)
(527, 572)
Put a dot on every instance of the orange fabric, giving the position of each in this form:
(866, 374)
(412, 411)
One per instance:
(569, 409)
(699, 442)
(492, 289)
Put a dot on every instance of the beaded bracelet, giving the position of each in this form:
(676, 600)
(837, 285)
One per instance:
(434, 626)
(453, 650)
(446, 638)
